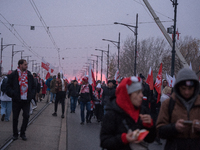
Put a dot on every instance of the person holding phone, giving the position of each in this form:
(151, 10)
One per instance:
(125, 118)
(181, 127)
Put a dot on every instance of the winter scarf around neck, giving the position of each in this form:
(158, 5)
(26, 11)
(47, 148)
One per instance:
(23, 82)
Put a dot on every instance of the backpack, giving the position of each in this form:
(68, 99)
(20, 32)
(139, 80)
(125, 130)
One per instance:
(3, 85)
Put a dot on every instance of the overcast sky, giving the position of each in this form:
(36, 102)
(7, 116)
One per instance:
(78, 27)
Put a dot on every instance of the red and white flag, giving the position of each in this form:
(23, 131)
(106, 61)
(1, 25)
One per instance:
(158, 83)
(149, 80)
(47, 66)
(170, 80)
(117, 75)
(91, 78)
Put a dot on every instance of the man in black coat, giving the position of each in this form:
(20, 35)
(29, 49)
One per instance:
(74, 90)
(108, 92)
(146, 92)
(21, 88)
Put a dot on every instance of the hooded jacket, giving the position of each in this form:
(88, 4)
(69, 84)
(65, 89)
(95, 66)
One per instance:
(187, 110)
(121, 116)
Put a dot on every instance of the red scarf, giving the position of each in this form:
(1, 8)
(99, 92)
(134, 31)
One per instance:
(96, 93)
(85, 89)
(23, 82)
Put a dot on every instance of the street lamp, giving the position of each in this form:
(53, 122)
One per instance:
(135, 33)
(96, 64)
(174, 37)
(102, 60)
(118, 46)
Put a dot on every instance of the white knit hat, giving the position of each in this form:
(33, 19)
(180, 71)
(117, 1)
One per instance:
(98, 85)
(135, 86)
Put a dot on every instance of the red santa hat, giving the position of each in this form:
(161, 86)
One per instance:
(126, 87)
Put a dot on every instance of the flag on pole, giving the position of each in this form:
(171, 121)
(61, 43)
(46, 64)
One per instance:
(190, 66)
(170, 80)
(91, 78)
(158, 83)
(149, 80)
(117, 75)
(47, 66)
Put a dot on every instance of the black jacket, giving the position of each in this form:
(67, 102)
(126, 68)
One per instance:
(107, 94)
(13, 88)
(86, 97)
(74, 90)
(115, 122)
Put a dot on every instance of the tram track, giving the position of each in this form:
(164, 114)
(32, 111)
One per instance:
(10, 140)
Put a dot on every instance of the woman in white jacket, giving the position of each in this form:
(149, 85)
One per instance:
(6, 103)
(166, 93)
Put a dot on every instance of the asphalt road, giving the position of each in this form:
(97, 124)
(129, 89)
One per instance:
(86, 137)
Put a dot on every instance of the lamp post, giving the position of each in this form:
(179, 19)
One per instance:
(2, 47)
(135, 33)
(96, 64)
(174, 2)
(118, 46)
(102, 60)
(93, 63)
(13, 53)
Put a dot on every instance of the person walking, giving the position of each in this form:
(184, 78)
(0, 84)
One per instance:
(61, 88)
(6, 102)
(53, 89)
(21, 88)
(48, 82)
(85, 97)
(74, 92)
(179, 120)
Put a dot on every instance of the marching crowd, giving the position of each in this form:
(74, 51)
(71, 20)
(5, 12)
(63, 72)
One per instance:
(131, 114)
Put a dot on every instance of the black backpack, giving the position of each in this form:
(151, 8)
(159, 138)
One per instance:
(3, 85)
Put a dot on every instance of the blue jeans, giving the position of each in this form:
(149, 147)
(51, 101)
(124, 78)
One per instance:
(53, 96)
(88, 108)
(6, 108)
(73, 101)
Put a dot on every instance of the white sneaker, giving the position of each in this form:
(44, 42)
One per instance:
(34, 107)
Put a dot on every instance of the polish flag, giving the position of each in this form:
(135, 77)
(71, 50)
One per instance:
(170, 80)
(149, 80)
(91, 78)
(190, 66)
(158, 83)
(47, 76)
(117, 75)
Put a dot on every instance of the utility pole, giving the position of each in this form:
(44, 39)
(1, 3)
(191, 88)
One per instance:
(136, 34)
(108, 61)
(96, 64)
(102, 59)
(32, 63)
(117, 45)
(2, 47)
(13, 53)
(174, 2)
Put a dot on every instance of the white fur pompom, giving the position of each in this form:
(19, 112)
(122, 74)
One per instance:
(134, 79)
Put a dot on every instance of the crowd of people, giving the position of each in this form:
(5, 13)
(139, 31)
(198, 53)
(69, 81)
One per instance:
(130, 114)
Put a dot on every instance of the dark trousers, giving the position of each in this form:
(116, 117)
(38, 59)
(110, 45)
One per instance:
(60, 97)
(16, 108)
(98, 111)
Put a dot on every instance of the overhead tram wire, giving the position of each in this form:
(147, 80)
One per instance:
(46, 28)
(154, 10)
(17, 35)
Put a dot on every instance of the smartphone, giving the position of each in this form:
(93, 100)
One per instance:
(187, 122)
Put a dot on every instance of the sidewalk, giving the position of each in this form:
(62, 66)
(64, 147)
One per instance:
(46, 132)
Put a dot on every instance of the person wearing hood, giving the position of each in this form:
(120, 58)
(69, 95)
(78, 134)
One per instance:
(98, 104)
(124, 117)
(179, 119)
(108, 92)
